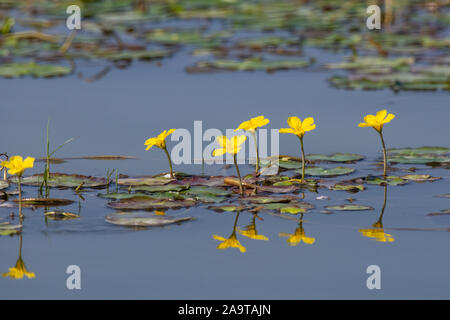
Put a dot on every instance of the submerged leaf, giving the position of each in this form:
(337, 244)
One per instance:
(61, 215)
(349, 207)
(138, 220)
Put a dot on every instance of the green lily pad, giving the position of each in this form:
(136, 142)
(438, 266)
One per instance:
(7, 229)
(269, 199)
(19, 69)
(61, 215)
(348, 187)
(164, 188)
(290, 206)
(139, 220)
(3, 184)
(372, 63)
(144, 181)
(292, 210)
(134, 55)
(229, 208)
(420, 177)
(144, 203)
(349, 207)
(335, 157)
(421, 155)
(44, 202)
(255, 64)
(390, 180)
(63, 180)
(327, 172)
(420, 151)
(155, 195)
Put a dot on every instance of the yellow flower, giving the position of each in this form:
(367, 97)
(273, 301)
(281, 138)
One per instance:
(231, 146)
(160, 140)
(232, 242)
(377, 121)
(377, 234)
(253, 123)
(19, 271)
(250, 232)
(298, 127)
(17, 165)
(297, 237)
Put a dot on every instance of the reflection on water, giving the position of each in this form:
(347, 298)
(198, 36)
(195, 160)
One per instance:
(251, 232)
(377, 232)
(298, 235)
(231, 241)
(19, 270)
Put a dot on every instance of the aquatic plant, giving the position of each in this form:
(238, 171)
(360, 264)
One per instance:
(231, 241)
(298, 236)
(17, 166)
(48, 156)
(251, 126)
(19, 270)
(377, 122)
(160, 142)
(231, 146)
(299, 128)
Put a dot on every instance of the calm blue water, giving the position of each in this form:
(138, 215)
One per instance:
(118, 113)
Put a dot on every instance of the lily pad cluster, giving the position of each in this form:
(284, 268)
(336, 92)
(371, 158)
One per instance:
(237, 35)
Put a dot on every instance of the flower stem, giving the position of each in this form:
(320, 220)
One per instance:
(303, 159)
(239, 175)
(257, 153)
(19, 179)
(170, 161)
(384, 154)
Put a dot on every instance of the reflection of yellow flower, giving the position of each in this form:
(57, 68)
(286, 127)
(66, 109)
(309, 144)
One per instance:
(231, 146)
(17, 165)
(19, 271)
(159, 213)
(297, 237)
(253, 123)
(250, 232)
(377, 121)
(298, 127)
(377, 234)
(159, 141)
(232, 242)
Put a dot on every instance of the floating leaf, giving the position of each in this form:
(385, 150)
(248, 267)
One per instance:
(3, 184)
(144, 203)
(269, 199)
(421, 155)
(349, 207)
(440, 213)
(292, 210)
(144, 181)
(61, 215)
(63, 180)
(335, 157)
(348, 187)
(227, 208)
(420, 177)
(289, 205)
(254, 64)
(136, 220)
(7, 229)
(14, 70)
(390, 180)
(327, 172)
(163, 188)
(44, 202)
